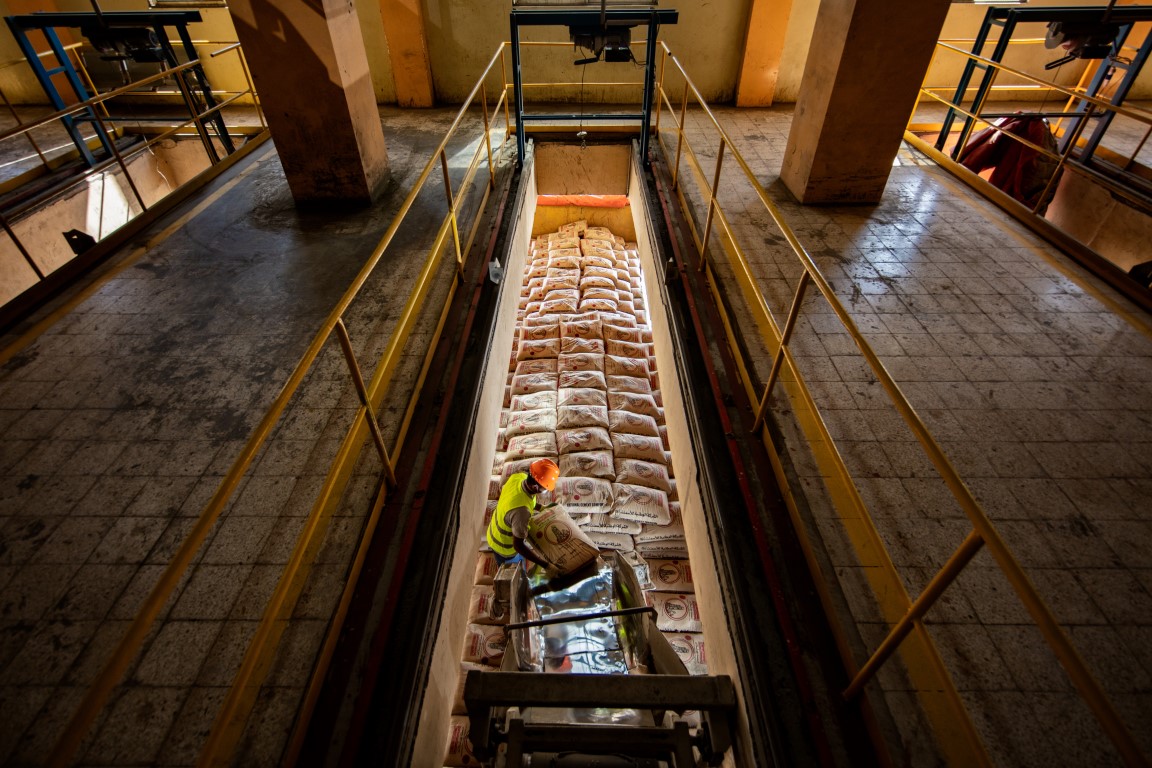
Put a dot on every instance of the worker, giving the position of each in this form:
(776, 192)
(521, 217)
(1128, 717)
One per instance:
(508, 528)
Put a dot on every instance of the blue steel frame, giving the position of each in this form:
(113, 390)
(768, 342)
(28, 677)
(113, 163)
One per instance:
(587, 18)
(1008, 18)
(47, 23)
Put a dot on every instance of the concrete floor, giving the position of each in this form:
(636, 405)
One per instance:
(120, 418)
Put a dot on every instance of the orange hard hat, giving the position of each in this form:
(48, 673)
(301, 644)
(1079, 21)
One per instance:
(545, 472)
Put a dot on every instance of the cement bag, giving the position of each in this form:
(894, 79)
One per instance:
(593, 292)
(564, 239)
(609, 524)
(528, 422)
(598, 258)
(645, 473)
(567, 306)
(575, 229)
(689, 646)
(564, 258)
(535, 445)
(458, 750)
(536, 269)
(581, 380)
(458, 707)
(671, 575)
(598, 233)
(619, 320)
(537, 349)
(595, 464)
(676, 612)
(634, 384)
(653, 533)
(633, 402)
(673, 549)
(581, 329)
(627, 306)
(591, 271)
(545, 398)
(574, 345)
(664, 437)
(489, 510)
(560, 540)
(581, 439)
(484, 644)
(534, 382)
(581, 396)
(558, 289)
(619, 542)
(540, 332)
(626, 423)
(644, 505)
(573, 416)
(598, 305)
(513, 467)
(588, 282)
(627, 446)
(583, 495)
(481, 607)
(486, 568)
(494, 487)
(538, 365)
(622, 348)
(538, 320)
(579, 362)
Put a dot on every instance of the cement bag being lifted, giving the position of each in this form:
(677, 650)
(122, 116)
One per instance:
(560, 540)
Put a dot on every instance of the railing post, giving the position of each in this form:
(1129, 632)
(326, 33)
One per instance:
(660, 87)
(711, 205)
(122, 164)
(785, 336)
(252, 89)
(487, 137)
(941, 581)
(680, 136)
(1071, 146)
(452, 215)
(195, 115)
(362, 391)
(504, 86)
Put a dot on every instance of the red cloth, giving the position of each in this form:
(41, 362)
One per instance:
(586, 201)
(1017, 168)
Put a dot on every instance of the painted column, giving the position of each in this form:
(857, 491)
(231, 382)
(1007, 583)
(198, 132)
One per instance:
(408, 51)
(763, 50)
(865, 66)
(310, 68)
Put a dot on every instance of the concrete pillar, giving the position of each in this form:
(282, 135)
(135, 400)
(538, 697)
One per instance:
(310, 68)
(865, 66)
(763, 50)
(407, 37)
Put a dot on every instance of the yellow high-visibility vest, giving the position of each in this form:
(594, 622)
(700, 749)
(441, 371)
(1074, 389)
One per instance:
(512, 495)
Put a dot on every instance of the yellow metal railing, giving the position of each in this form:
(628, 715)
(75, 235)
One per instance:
(118, 161)
(1064, 160)
(225, 735)
(937, 692)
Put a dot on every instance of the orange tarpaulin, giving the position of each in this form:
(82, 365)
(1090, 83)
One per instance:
(587, 201)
